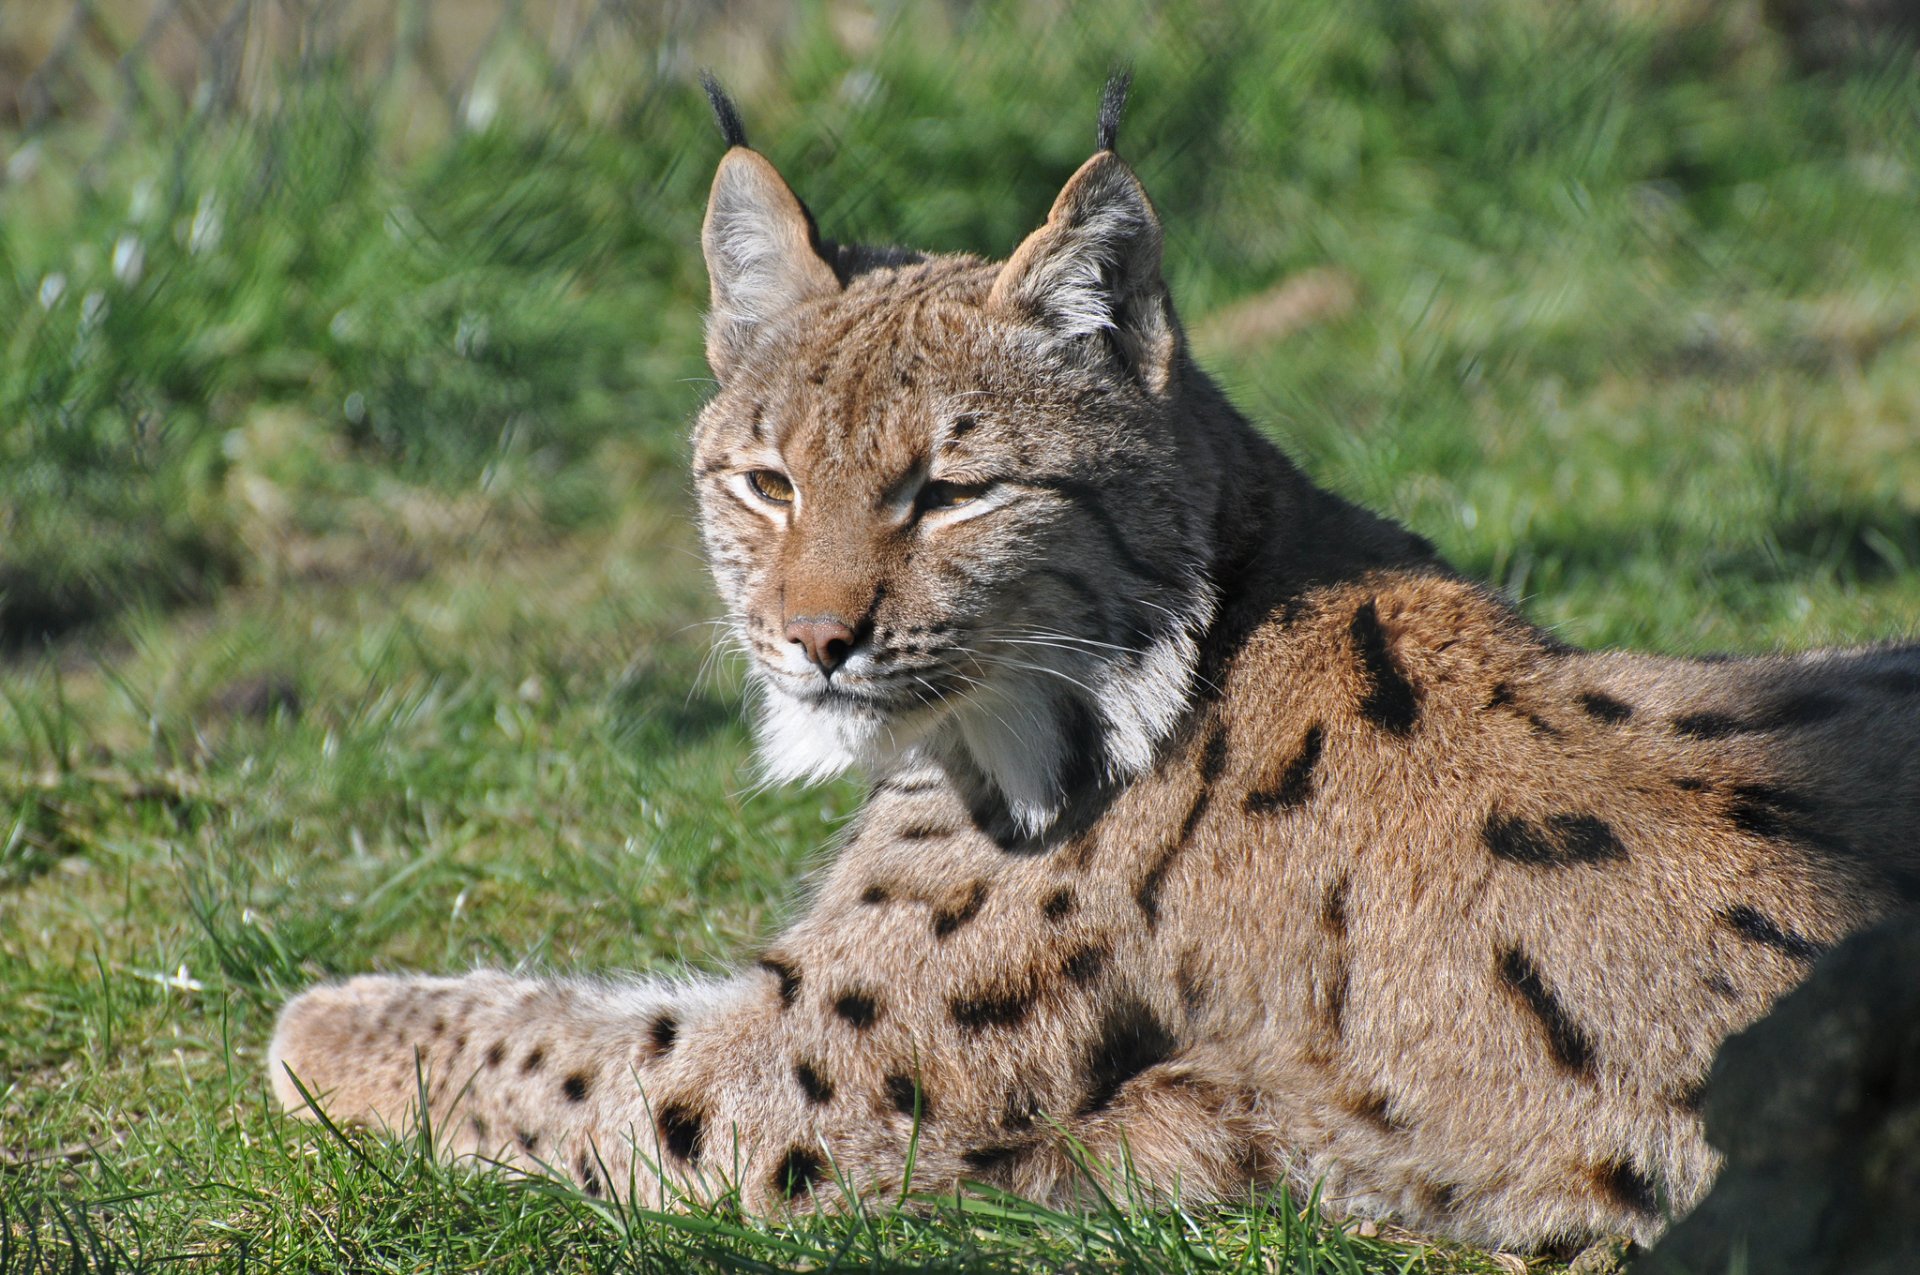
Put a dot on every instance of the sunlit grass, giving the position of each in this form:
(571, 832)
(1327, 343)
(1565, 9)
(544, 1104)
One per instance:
(351, 617)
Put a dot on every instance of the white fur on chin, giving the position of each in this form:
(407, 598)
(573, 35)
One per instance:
(1009, 727)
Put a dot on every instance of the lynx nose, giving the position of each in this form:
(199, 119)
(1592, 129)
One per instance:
(825, 638)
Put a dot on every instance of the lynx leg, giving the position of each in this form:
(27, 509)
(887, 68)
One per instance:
(535, 1074)
(666, 1093)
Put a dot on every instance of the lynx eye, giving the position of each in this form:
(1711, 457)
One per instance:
(771, 486)
(941, 495)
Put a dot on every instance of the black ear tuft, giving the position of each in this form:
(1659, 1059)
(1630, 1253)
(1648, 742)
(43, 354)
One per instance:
(1113, 102)
(726, 114)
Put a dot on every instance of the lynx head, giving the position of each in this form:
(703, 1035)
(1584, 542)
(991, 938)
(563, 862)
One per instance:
(948, 502)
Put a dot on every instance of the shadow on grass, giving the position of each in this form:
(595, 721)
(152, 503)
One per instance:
(97, 573)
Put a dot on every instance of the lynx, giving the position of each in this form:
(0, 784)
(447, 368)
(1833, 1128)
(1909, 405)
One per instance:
(1216, 827)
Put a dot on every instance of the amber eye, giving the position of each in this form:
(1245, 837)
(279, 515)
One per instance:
(939, 495)
(771, 485)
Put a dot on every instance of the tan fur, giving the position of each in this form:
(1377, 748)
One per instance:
(1404, 898)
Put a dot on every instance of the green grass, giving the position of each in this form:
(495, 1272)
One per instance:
(350, 611)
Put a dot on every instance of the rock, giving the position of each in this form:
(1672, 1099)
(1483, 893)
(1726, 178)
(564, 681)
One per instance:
(1817, 1108)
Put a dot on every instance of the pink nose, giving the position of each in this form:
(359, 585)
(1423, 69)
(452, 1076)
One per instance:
(825, 638)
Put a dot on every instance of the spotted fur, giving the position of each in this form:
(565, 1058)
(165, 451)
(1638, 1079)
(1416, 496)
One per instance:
(1216, 825)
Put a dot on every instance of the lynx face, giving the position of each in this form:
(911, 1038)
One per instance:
(941, 498)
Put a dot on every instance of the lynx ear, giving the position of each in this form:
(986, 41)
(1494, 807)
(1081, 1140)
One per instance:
(762, 254)
(1094, 268)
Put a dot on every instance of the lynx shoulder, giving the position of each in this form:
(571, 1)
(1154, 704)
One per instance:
(1215, 821)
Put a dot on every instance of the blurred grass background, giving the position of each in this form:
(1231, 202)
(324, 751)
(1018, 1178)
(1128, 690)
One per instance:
(350, 612)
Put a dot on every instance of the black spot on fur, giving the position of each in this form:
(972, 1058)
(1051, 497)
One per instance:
(1079, 852)
(1192, 820)
(989, 1159)
(1020, 1111)
(857, 1008)
(1131, 1040)
(816, 1086)
(1751, 924)
(1808, 708)
(589, 1180)
(1390, 702)
(1757, 819)
(1058, 904)
(1295, 782)
(797, 1171)
(533, 1060)
(1772, 796)
(1502, 696)
(1604, 708)
(901, 1089)
(924, 832)
(947, 920)
(496, 1053)
(1186, 979)
(1561, 841)
(1147, 897)
(1377, 1110)
(1722, 986)
(961, 425)
(1333, 908)
(1330, 993)
(1569, 1044)
(1628, 1187)
(528, 1141)
(663, 1033)
(1005, 1008)
(1213, 753)
(1687, 783)
(575, 1086)
(789, 979)
(874, 894)
(1084, 964)
(479, 1127)
(439, 1025)
(1147, 894)
(1441, 1197)
(1707, 725)
(681, 1128)
(1775, 814)
(1541, 726)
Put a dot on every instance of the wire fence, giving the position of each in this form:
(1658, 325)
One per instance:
(84, 73)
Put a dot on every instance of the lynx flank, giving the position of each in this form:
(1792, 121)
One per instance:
(1215, 822)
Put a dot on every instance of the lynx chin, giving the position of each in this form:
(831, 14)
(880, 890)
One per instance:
(1215, 822)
